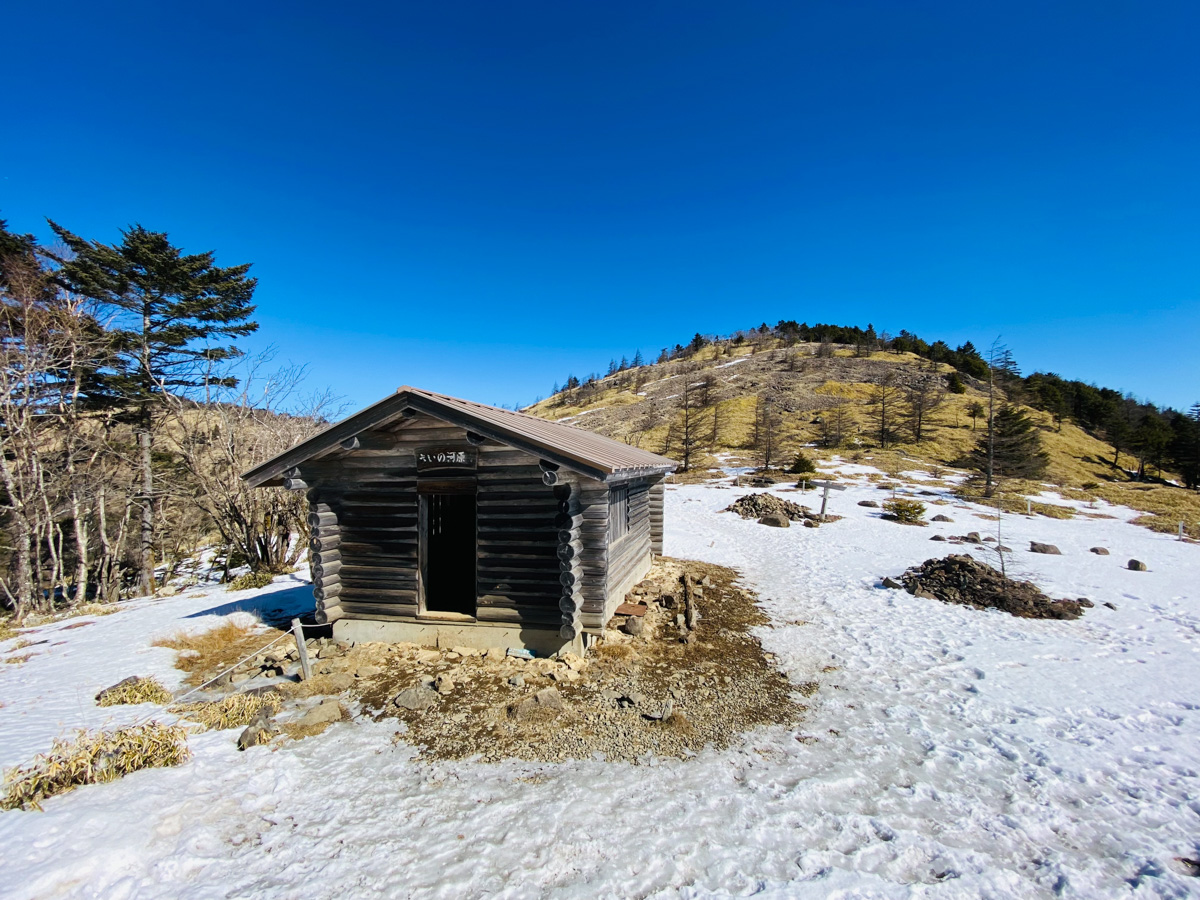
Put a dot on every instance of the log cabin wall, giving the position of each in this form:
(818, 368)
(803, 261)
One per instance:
(629, 556)
(365, 557)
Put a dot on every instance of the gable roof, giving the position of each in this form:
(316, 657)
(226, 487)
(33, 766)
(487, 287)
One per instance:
(572, 448)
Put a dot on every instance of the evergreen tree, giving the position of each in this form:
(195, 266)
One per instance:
(637, 359)
(1012, 448)
(169, 312)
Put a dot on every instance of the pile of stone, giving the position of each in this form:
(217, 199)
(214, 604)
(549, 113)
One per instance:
(771, 510)
(961, 579)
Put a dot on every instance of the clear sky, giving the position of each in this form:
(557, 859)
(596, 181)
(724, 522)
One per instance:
(480, 198)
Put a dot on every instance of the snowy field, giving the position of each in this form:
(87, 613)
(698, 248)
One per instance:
(949, 753)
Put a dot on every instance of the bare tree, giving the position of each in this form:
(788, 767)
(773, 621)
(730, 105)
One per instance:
(884, 398)
(264, 415)
(922, 397)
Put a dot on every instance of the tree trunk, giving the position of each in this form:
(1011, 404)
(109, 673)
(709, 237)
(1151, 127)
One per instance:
(147, 502)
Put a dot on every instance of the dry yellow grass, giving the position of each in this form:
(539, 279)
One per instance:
(93, 757)
(144, 690)
(205, 654)
(235, 711)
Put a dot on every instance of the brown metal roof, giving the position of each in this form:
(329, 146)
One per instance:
(586, 452)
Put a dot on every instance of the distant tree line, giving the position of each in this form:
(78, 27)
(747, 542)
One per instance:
(1154, 437)
(127, 412)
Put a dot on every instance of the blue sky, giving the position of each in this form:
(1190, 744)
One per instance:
(480, 198)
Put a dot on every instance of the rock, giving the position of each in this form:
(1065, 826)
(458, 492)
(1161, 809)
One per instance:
(574, 662)
(1003, 549)
(545, 703)
(961, 579)
(938, 537)
(668, 601)
(517, 681)
(759, 506)
(775, 520)
(634, 626)
(416, 698)
(167, 590)
(989, 540)
(1110, 606)
(869, 503)
(1050, 549)
(368, 671)
(892, 583)
(810, 523)
(494, 654)
(940, 518)
(256, 733)
(443, 684)
(132, 679)
(1100, 551)
(973, 537)
(1136, 565)
(465, 651)
(329, 711)
(339, 681)
(1085, 603)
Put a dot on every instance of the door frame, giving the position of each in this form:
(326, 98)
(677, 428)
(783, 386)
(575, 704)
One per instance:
(426, 488)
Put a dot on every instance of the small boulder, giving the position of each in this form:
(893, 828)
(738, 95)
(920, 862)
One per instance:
(257, 732)
(368, 671)
(1100, 551)
(443, 684)
(989, 540)
(323, 714)
(1049, 549)
(634, 626)
(668, 601)
(973, 537)
(940, 518)
(938, 537)
(892, 583)
(869, 503)
(1136, 565)
(1110, 605)
(810, 523)
(339, 681)
(1085, 602)
(517, 681)
(775, 520)
(417, 698)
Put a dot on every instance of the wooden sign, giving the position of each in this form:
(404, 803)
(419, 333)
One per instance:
(431, 459)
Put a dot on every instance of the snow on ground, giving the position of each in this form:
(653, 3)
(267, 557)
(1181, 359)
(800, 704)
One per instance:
(949, 753)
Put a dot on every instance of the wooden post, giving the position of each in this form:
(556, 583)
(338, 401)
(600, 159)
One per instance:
(302, 649)
(829, 485)
(1028, 507)
(1181, 531)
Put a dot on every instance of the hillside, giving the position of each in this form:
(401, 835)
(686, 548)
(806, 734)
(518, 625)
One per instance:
(749, 399)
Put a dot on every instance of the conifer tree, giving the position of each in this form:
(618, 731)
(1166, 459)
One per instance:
(1011, 448)
(170, 312)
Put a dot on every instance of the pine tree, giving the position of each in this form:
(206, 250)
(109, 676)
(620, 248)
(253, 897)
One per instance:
(637, 360)
(1011, 448)
(168, 310)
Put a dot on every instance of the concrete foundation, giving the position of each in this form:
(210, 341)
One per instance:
(542, 641)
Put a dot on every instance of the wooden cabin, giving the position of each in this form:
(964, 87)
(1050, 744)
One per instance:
(452, 523)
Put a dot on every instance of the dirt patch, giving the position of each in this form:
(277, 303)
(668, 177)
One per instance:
(755, 506)
(670, 691)
(961, 579)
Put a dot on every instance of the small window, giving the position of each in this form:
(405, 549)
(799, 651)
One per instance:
(618, 513)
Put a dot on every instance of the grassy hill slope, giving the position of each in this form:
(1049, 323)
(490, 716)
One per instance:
(826, 400)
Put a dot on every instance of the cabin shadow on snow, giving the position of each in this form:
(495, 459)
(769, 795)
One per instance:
(276, 608)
